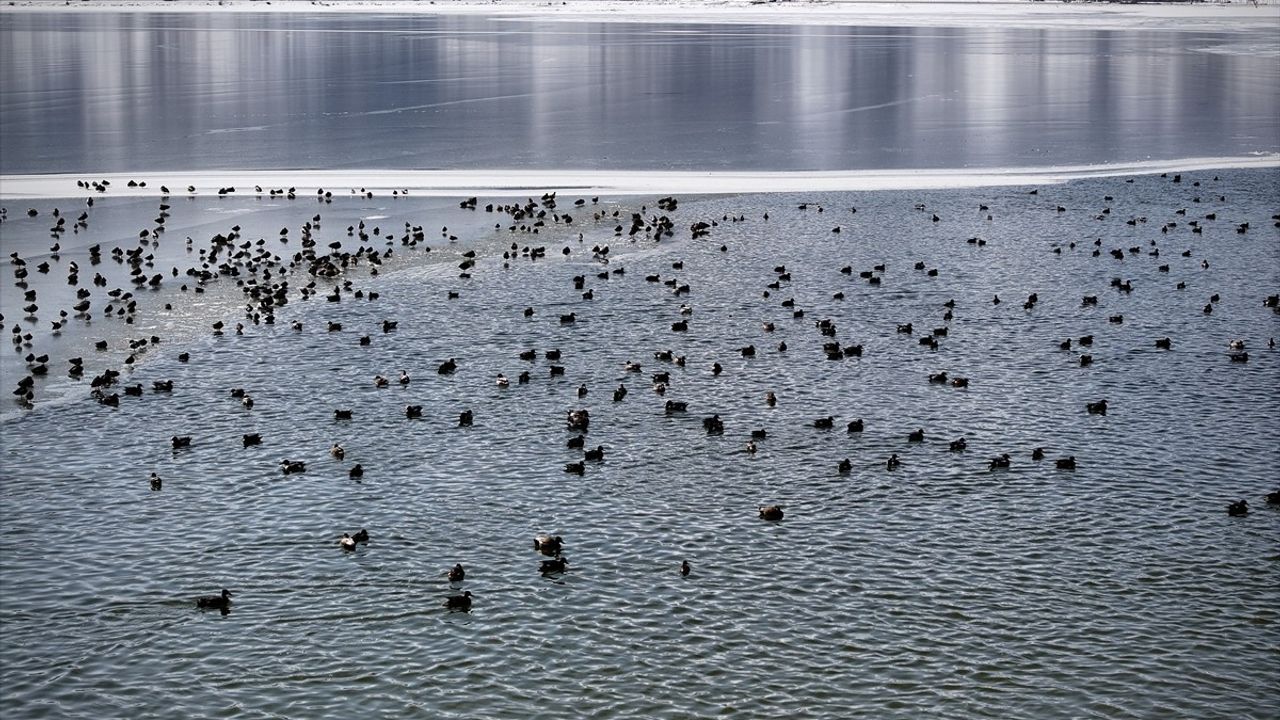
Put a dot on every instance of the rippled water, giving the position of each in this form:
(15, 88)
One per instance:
(940, 589)
(104, 92)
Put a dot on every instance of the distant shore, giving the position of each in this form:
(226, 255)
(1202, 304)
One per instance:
(1204, 16)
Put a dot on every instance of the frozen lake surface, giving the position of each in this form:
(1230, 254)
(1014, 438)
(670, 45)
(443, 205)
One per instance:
(103, 92)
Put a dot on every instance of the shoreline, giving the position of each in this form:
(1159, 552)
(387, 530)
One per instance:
(1185, 16)
(498, 182)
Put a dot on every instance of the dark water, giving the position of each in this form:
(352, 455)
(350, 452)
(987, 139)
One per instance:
(108, 92)
(941, 589)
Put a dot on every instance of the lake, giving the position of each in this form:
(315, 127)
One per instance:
(1118, 587)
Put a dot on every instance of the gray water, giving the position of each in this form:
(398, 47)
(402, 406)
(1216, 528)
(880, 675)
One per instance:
(1120, 589)
(104, 92)
(939, 589)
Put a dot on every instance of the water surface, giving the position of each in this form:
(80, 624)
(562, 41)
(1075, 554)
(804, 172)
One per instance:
(108, 92)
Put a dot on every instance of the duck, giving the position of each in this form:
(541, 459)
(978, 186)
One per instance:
(356, 472)
(675, 406)
(459, 602)
(770, 399)
(713, 425)
(556, 565)
(844, 467)
(404, 378)
(893, 462)
(576, 468)
(959, 445)
(502, 381)
(156, 482)
(855, 426)
(1037, 454)
(180, 441)
(215, 602)
(457, 573)
(825, 423)
(1097, 408)
(465, 418)
(684, 568)
(347, 542)
(772, 513)
(751, 447)
(337, 452)
(289, 467)
(916, 435)
(594, 455)
(413, 411)
(1273, 498)
(1001, 462)
(380, 381)
(1239, 508)
(1066, 463)
(548, 544)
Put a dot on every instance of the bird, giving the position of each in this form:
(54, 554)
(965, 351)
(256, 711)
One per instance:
(1239, 508)
(1037, 454)
(595, 455)
(459, 602)
(1097, 408)
(180, 441)
(337, 452)
(356, 472)
(893, 462)
(156, 482)
(576, 468)
(684, 568)
(252, 439)
(772, 513)
(457, 573)
(548, 544)
(1066, 463)
(1001, 462)
(347, 542)
(916, 435)
(215, 602)
(844, 467)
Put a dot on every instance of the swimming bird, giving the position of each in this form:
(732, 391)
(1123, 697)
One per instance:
(1037, 454)
(916, 435)
(356, 472)
(1066, 463)
(347, 542)
(337, 451)
(156, 482)
(595, 455)
(684, 567)
(457, 573)
(289, 467)
(959, 445)
(576, 468)
(844, 467)
(459, 602)
(825, 423)
(1238, 509)
(893, 462)
(404, 378)
(713, 425)
(1273, 498)
(1097, 408)
(772, 513)
(215, 602)
(1001, 462)
(855, 426)
(182, 441)
(548, 544)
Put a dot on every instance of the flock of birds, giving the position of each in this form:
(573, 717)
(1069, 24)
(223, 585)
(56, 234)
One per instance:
(269, 276)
